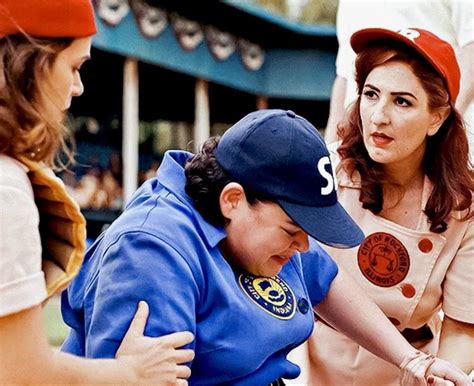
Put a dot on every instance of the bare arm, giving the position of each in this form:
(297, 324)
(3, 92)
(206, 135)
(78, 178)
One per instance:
(28, 358)
(336, 109)
(354, 314)
(466, 92)
(457, 343)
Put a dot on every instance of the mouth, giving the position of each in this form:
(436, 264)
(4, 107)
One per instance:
(282, 259)
(381, 139)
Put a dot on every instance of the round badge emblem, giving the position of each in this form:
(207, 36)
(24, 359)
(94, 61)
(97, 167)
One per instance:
(383, 259)
(271, 294)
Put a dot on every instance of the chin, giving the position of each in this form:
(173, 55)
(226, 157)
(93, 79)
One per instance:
(379, 155)
(267, 272)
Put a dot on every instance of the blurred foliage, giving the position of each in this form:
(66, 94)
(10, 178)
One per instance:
(56, 329)
(319, 11)
(309, 11)
(279, 7)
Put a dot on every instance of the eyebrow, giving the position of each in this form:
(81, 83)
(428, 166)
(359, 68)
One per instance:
(392, 93)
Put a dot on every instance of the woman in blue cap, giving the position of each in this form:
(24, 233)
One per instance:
(214, 244)
(43, 44)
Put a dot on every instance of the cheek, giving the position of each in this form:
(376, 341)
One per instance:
(364, 112)
(415, 140)
(267, 242)
(277, 241)
(65, 78)
(411, 127)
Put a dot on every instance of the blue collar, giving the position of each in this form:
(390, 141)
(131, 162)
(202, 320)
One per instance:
(171, 176)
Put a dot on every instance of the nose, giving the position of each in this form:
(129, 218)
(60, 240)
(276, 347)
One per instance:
(300, 241)
(380, 115)
(77, 87)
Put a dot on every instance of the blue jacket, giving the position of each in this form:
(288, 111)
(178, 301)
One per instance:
(161, 250)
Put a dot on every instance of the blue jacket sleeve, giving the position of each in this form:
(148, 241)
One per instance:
(138, 266)
(319, 270)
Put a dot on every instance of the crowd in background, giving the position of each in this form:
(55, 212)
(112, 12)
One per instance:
(96, 187)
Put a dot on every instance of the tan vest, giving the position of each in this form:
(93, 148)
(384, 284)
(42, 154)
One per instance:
(62, 227)
(410, 273)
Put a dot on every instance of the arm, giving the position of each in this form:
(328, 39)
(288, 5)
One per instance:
(28, 358)
(457, 331)
(458, 335)
(466, 92)
(336, 109)
(462, 14)
(342, 308)
(137, 266)
(354, 314)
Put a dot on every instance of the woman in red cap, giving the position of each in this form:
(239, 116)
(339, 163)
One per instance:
(404, 176)
(42, 47)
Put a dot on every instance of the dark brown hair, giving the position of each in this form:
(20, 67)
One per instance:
(27, 126)
(205, 180)
(446, 159)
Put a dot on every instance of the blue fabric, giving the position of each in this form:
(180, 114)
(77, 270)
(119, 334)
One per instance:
(162, 251)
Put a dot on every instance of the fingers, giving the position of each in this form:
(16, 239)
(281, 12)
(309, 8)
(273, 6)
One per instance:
(177, 339)
(183, 372)
(436, 381)
(413, 373)
(182, 382)
(445, 371)
(137, 326)
(184, 356)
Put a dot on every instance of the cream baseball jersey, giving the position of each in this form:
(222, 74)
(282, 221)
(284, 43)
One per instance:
(411, 274)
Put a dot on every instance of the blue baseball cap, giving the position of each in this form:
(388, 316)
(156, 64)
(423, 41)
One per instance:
(282, 156)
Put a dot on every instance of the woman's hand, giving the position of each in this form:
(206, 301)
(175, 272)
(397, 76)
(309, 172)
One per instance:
(424, 369)
(436, 381)
(448, 372)
(155, 360)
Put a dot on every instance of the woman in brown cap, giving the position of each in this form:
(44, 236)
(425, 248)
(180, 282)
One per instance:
(43, 45)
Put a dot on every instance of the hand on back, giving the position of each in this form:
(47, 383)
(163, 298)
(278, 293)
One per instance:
(155, 360)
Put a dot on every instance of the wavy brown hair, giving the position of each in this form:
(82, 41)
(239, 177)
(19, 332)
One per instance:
(29, 126)
(446, 159)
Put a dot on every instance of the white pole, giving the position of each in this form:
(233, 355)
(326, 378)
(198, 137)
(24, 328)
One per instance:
(130, 128)
(202, 128)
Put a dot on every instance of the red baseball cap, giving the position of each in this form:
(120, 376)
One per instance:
(47, 18)
(435, 50)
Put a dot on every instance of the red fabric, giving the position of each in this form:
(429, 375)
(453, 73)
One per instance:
(47, 18)
(437, 51)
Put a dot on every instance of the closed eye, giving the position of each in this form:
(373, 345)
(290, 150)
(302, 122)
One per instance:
(292, 230)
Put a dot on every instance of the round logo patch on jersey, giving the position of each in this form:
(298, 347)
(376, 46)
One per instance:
(271, 294)
(383, 259)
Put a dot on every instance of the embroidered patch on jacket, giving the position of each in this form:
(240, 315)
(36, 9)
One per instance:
(272, 294)
(383, 259)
